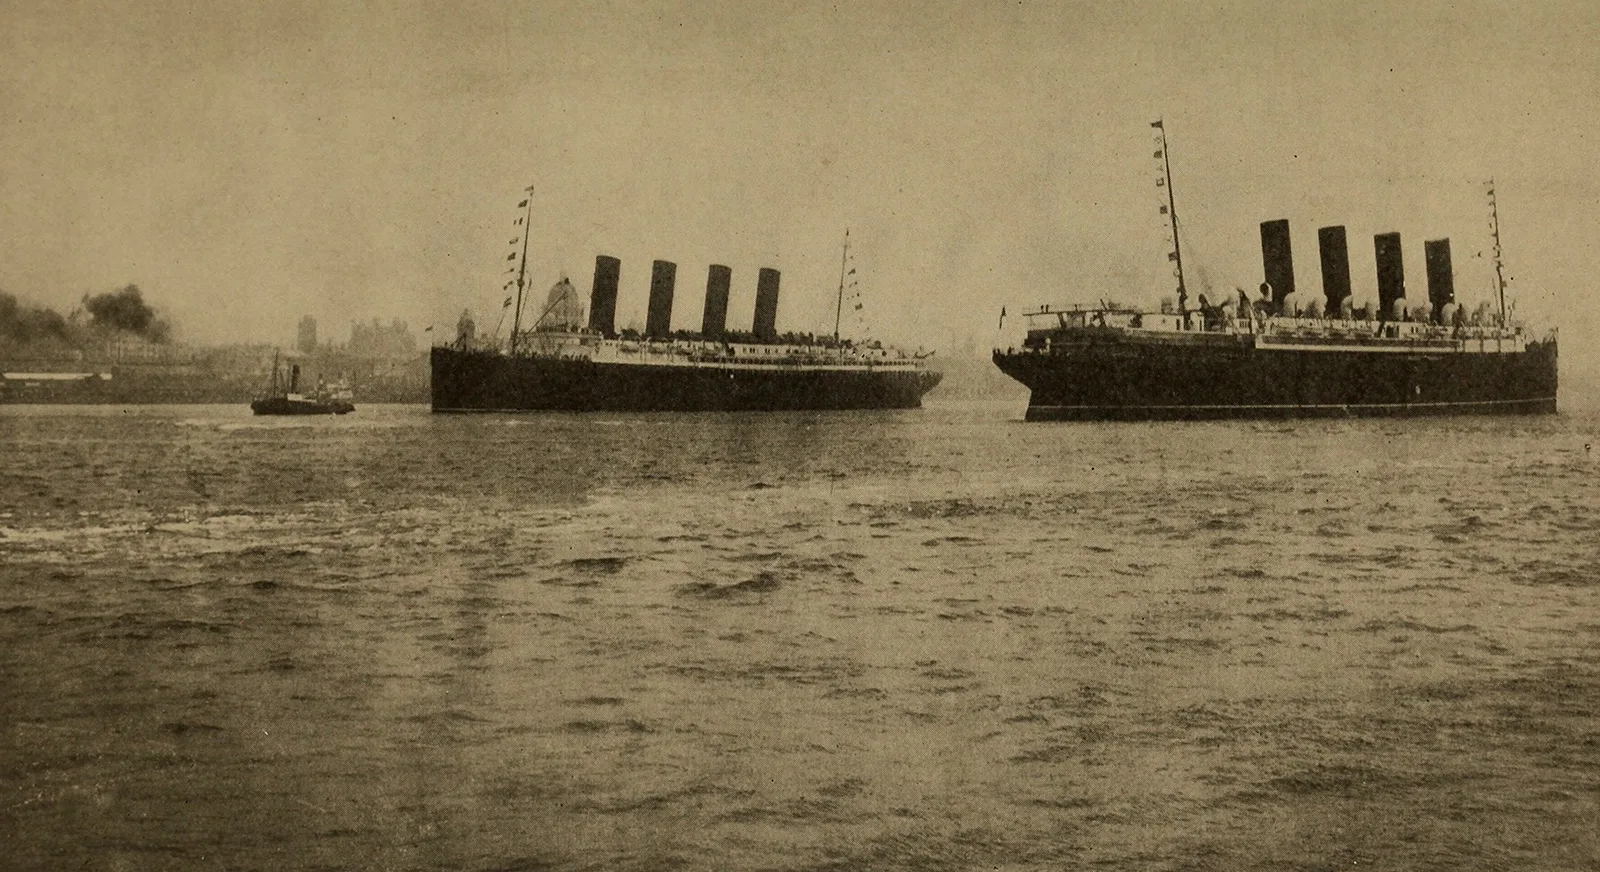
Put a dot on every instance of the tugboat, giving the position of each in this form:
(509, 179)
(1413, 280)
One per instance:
(322, 401)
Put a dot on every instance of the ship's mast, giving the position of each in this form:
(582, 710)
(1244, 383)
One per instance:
(1172, 214)
(838, 309)
(1499, 267)
(522, 267)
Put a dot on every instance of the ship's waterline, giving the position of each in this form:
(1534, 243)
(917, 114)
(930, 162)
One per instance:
(1078, 372)
(642, 377)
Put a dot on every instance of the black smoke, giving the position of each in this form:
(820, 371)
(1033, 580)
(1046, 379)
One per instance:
(126, 310)
(22, 323)
(122, 311)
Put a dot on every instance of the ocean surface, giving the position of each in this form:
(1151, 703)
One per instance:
(930, 640)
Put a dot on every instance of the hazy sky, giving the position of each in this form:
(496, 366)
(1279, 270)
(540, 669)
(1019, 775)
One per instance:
(248, 163)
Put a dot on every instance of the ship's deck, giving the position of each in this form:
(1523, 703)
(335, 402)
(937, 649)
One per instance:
(714, 355)
(1077, 328)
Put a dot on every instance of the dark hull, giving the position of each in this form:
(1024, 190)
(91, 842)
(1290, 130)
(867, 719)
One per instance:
(286, 406)
(1119, 380)
(487, 381)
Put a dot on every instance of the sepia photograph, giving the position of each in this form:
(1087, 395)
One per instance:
(957, 435)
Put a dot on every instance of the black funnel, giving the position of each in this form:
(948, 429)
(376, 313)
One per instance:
(1277, 262)
(1335, 253)
(715, 320)
(658, 318)
(1391, 272)
(603, 299)
(766, 324)
(1441, 282)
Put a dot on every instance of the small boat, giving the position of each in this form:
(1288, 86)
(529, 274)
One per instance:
(322, 401)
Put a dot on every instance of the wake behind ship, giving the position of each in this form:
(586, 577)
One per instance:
(1277, 357)
(563, 364)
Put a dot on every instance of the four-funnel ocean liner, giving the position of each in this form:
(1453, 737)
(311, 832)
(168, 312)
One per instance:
(1277, 358)
(566, 364)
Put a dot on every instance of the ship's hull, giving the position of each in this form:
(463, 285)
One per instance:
(1121, 380)
(488, 381)
(287, 406)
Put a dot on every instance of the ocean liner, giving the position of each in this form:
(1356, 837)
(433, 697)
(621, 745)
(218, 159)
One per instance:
(1275, 357)
(563, 363)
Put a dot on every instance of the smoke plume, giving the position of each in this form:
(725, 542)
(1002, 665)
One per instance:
(126, 310)
(22, 323)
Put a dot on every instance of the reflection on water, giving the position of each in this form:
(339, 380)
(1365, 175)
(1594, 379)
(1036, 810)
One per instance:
(938, 639)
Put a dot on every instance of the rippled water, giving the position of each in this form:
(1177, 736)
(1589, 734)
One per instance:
(923, 640)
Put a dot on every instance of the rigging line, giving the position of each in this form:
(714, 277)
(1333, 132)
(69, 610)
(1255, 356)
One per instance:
(1172, 207)
(522, 269)
(838, 308)
(1499, 268)
(552, 304)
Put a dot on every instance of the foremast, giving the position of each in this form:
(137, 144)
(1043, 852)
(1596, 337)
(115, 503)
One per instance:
(1176, 255)
(522, 267)
(1499, 266)
(844, 263)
